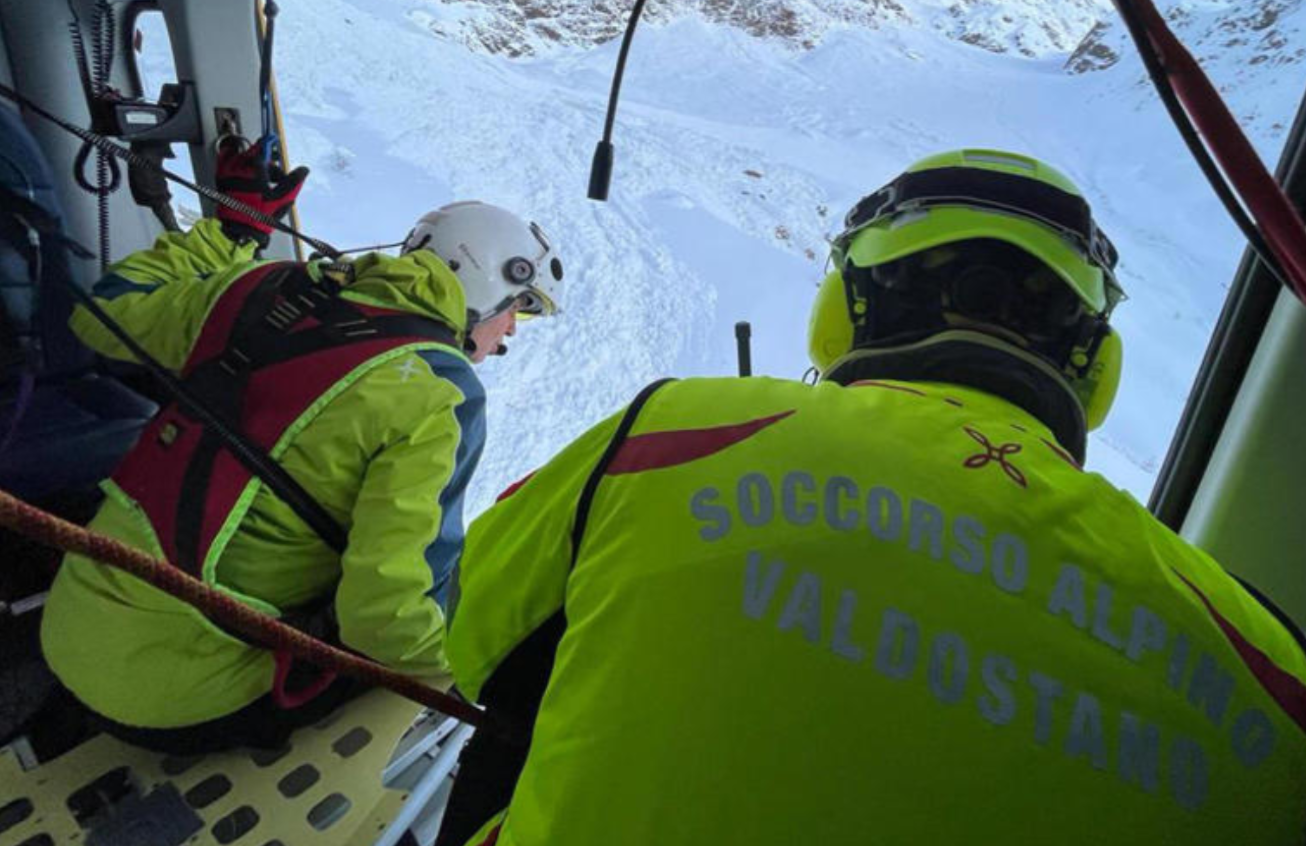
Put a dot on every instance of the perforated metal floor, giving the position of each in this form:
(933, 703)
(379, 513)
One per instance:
(324, 789)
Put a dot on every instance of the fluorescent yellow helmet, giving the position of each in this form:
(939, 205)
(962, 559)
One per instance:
(953, 218)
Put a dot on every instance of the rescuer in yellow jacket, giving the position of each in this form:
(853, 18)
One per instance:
(362, 391)
(889, 608)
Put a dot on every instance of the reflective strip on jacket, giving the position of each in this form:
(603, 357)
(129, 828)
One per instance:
(889, 613)
(388, 451)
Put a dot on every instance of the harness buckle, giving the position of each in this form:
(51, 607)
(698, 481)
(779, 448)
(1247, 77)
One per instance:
(233, 361)
(169, 433)
(283, 315)
(336, 275)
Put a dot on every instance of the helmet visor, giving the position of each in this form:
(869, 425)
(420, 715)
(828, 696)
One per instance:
(1067, 214)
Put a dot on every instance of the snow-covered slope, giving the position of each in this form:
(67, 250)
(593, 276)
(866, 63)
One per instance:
(1253, 50)
(737, 155)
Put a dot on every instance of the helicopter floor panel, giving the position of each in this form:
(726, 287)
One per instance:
(324, 788)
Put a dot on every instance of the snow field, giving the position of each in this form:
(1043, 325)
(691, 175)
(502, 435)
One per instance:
(736, 159)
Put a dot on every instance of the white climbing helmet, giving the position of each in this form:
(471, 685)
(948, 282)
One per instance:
(496, 255)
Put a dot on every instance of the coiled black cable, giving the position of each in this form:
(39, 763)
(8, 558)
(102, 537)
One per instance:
(137, 160)
(103, 28)
(79, 48)
(102, 35)
(95, 82)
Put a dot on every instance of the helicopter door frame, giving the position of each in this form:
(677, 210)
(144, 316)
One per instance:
(1234, 481)
(216, 47)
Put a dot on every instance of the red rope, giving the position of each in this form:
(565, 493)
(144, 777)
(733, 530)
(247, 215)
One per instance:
(37, 525)
(1275, 216)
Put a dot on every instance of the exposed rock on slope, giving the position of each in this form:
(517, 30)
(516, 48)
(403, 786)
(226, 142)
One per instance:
(531, 27)
(1256, 33)
(1250, 48)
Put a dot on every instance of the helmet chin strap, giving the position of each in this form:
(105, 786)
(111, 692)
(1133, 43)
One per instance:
(469, 343)
(469, 347)
(976, 360)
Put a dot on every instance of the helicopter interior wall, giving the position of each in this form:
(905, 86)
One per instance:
(1248, 508)
(12, 300)
(73, 422)
(65, 424)
(215, 47)
(6, 75)
(44, 68)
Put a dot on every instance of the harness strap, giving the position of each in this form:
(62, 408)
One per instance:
(514, 690)
(587, 493)
(264, 335)
(491, 764)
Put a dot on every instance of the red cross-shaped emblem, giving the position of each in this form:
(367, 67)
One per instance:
(998, 454)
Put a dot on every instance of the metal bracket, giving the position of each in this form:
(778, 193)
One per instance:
(227, 119)
(174, 118)
(19, 607)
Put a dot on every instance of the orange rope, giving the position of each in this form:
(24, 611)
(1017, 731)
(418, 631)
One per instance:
(37, 525)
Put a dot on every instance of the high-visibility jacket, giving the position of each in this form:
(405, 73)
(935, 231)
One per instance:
(387, 450)
(887, 613)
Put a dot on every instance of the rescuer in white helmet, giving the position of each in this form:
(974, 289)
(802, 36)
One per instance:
(361, 371)
(507, 267)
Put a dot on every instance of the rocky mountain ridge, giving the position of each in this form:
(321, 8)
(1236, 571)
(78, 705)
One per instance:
(1258, 32)
(520, 28)
(1253, 50)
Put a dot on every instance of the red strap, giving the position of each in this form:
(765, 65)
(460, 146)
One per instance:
(514, 487)
(656, 450)
(1275, 216)
(288, 700)
(1282, 686)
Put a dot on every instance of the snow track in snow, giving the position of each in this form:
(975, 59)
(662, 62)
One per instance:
(736, 158)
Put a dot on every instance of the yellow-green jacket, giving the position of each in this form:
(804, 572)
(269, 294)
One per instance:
(388, 452)
(888, 613)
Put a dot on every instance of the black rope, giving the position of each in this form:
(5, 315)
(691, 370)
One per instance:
(373, 248)
(1192, 138)
(253, 457)
(249, 454)
(137, 160)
